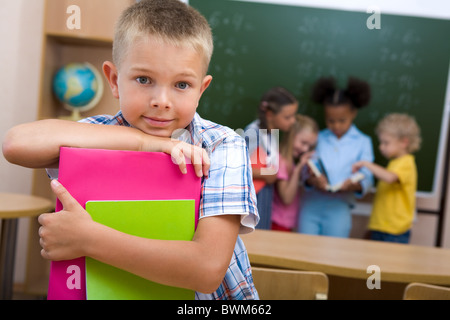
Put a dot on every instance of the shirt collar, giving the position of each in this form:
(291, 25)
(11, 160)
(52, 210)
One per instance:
(120, 119)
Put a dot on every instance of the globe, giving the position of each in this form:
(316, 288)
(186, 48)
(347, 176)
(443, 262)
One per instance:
(79, 87)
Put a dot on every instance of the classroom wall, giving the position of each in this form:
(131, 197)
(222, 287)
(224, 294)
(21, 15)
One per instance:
(20, 56)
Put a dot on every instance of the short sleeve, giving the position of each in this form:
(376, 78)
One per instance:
(229, 188)
(403, 170)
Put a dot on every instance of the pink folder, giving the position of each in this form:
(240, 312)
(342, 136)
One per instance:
(94, 174)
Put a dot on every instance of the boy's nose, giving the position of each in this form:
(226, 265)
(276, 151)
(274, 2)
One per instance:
(160, 98)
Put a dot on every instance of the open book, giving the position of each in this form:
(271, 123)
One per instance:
(318, 171)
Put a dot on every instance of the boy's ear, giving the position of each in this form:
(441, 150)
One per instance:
(111, 74)
(405, 142)
(205, 84)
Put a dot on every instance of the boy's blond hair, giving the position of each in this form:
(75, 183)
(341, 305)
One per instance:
(401, 126)
(169, 21)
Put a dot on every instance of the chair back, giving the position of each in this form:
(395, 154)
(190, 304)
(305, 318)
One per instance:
(423, 291)
(278, 284)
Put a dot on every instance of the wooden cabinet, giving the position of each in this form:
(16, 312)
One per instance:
(91, 42)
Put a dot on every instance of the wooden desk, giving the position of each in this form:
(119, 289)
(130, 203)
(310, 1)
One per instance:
(12, 207)
(345, 261)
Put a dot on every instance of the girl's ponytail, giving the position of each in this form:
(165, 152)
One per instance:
(357, 93)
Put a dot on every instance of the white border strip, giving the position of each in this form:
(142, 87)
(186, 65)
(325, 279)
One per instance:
(439, 9)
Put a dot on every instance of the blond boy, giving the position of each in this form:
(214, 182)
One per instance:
(394, 204)
(161, 54)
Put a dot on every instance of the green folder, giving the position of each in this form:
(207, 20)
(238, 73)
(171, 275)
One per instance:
(154, 219)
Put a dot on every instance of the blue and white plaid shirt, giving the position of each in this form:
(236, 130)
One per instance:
(227, 190)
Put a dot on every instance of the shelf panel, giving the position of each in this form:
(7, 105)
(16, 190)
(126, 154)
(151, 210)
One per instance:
(75, 39)
(97, 18)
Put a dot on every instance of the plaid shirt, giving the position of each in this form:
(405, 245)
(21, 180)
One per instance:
(227, 190)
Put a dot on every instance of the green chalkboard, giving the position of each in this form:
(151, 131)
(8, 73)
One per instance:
(260, 45)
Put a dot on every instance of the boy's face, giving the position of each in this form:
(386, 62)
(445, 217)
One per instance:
(391, 146)
(159, 85)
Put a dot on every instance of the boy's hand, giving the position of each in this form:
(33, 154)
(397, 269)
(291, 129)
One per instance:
(63, 233)
(180, 150)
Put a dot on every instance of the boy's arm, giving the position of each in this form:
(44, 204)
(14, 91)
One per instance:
(199, 264)
(37, 144)
(378, 171)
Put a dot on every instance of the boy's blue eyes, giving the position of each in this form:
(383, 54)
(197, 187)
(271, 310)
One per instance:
(182, 85)
(145, 80)
(142, 80)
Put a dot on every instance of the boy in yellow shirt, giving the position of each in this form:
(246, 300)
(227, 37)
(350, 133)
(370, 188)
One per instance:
(394, 204)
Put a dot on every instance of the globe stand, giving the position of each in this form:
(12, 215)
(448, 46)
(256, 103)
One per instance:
(75, 116)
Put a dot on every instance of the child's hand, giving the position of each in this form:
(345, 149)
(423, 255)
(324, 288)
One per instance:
(63, 233)
(180, 150)
(305, 157)
(319, 183)
(349, 185)
(358, 165)
(301, 163)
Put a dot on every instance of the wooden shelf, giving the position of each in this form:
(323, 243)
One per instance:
(97, 17)
(75, 39)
